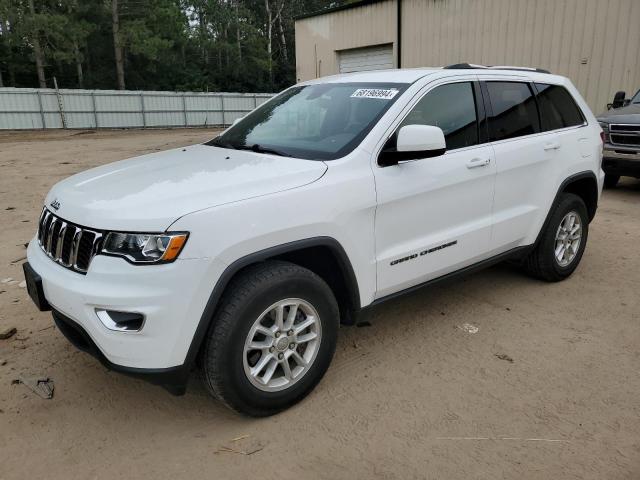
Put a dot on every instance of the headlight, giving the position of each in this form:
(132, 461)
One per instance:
(604, 126)
(145, 248)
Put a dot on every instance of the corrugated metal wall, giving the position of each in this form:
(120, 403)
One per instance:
(596, 43)
(29, 108)
(319, 39)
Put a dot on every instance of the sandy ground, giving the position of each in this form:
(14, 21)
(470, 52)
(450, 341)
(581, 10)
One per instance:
(414, 395)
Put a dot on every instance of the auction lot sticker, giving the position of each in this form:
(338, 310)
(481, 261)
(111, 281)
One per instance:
(381, 93)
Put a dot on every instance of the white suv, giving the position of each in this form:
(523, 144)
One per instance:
(245, 254)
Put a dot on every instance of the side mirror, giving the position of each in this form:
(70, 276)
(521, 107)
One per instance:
(413, 142)
(618, 100)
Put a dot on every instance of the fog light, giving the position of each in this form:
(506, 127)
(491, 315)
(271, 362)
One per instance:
(121, 321)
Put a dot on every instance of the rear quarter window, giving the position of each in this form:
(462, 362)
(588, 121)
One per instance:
(558, 109)
(514, 111)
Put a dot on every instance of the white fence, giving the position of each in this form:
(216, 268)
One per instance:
(33, 108)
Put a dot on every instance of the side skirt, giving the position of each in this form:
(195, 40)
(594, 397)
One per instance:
(513, 254)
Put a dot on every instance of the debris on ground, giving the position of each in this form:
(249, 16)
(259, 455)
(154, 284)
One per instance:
(3, 362)
(467, 327)
(8, 333)
(242, 445)
(505, 357)
(42, 386)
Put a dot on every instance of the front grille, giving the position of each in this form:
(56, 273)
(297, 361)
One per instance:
(67, 244)
(625, 134)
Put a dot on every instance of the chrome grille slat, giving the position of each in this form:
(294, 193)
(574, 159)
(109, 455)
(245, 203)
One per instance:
(49, 233)
(73, 258)
(54, 241)
(60, 241)
(624, 135)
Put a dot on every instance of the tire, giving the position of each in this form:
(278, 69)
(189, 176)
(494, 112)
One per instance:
(542, 262)
(260, 292)
(610, 181)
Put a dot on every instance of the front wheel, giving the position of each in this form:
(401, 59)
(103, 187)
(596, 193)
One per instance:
(272, 338)
(562, 242)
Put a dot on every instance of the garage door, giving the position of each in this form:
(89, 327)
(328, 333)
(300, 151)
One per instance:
(368, 58)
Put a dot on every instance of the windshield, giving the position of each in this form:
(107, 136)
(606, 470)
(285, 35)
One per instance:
(316, 122)
(636, 98)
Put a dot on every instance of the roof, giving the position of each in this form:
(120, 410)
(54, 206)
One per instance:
(346, 6)
(410, 75)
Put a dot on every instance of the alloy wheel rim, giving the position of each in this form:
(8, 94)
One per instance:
(282, 345)
(568, 239)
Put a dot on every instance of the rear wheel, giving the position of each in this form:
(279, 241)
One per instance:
(610, 181)
(563, 241)
(272, 338)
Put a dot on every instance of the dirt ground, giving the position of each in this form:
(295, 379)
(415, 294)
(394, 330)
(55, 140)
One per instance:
(548, 386)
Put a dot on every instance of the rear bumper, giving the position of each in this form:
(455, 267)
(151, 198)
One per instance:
(173, 379)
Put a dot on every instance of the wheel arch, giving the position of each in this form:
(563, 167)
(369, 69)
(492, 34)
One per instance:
(584, 185)
(322, 255)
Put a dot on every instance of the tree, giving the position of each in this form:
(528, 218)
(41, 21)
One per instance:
(201, 45)
(34, 22)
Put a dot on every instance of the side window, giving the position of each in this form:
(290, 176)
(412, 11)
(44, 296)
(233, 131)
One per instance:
(514, 110)
(452, 108)
(557, 107)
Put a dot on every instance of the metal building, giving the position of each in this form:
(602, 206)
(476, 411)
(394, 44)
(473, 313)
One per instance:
(596, 43)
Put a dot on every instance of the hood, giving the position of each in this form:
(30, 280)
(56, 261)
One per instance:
(150, 192)
(629, 114)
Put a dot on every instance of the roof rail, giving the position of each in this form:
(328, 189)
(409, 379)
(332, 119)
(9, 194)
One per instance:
(466, 66)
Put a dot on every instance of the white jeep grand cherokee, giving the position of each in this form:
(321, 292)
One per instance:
(246, 253)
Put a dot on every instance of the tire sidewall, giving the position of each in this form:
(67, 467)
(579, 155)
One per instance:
(568, 203)
(312, 290)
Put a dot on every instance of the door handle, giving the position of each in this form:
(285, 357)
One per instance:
(552, 146)
(478, 162)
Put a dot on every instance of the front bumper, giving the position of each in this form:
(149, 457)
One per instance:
(172, 298)
(173, 379)
(621, 160)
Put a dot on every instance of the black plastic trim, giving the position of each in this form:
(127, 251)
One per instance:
(468, 66)
(391, 156)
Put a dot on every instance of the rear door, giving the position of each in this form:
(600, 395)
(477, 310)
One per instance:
(524, 160)
(532, 128)
(434, 214)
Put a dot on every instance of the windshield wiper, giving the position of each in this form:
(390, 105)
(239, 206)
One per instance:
(258, 149)
(217, 143)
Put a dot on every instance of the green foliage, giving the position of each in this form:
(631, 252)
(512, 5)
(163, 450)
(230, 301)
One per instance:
(201, 45)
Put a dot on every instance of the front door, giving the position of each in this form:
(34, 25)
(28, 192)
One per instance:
(434, 215)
